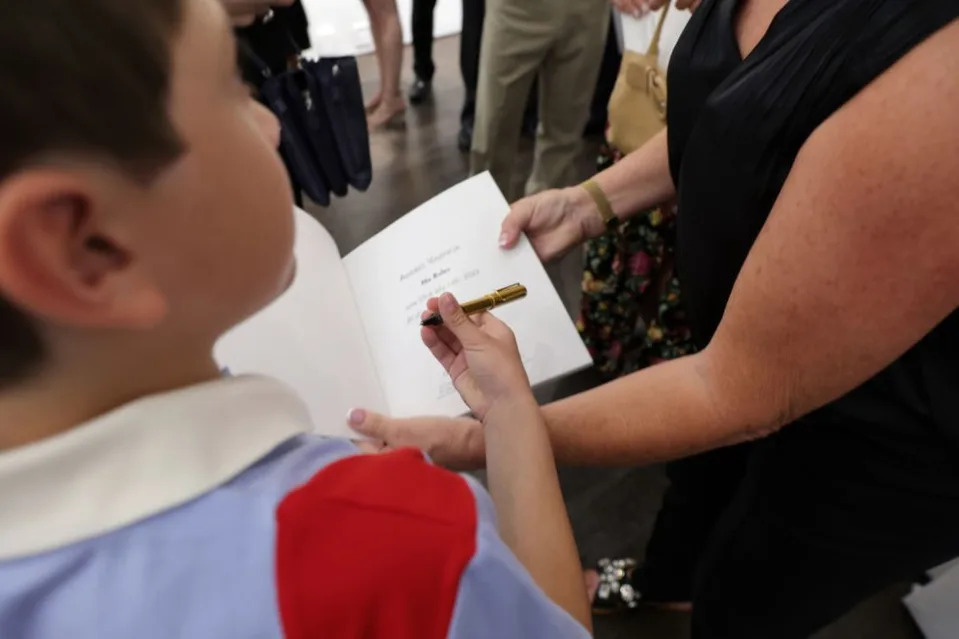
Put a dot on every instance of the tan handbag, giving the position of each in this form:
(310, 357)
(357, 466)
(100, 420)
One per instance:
(637, 106)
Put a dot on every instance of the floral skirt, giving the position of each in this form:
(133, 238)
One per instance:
(631, 314)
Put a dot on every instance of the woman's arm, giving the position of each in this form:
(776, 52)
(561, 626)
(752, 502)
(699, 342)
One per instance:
(858, 260)
(635, 183)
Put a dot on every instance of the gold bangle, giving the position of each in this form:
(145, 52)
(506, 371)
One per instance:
(602, 204)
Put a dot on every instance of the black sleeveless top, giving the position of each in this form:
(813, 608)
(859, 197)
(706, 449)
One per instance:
(735, 128)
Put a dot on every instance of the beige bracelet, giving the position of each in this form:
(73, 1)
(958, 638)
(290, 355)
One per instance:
(605, 210)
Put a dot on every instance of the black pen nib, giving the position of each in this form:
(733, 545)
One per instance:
(432, 320)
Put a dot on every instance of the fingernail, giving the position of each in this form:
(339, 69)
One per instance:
(356, 417)
(503, 239)
(447, 303)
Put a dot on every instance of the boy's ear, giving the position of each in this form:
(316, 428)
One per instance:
(64, 258)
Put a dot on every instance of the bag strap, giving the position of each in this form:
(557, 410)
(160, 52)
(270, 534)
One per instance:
(654, 43)
(248, 56)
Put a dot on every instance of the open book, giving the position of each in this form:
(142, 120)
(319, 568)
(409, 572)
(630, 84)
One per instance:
(346, 334)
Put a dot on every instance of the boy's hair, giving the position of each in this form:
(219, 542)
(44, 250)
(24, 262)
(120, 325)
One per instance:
(88, 78)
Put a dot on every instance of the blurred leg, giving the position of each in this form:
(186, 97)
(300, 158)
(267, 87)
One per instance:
(515, 39)
(378, 51)
(473, 13)
(567, 80)
(422, 26)
(388, 37)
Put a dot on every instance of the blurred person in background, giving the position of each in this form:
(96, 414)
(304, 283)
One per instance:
(387, 106)
(471, 36)
(273, 36)
(562, 44)
(423, 67)
(276, 37)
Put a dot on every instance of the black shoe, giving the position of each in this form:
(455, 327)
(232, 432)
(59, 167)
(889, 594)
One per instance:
(420, 91)
(465, 139)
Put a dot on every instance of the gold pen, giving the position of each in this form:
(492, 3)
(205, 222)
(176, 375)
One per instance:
(496, 298)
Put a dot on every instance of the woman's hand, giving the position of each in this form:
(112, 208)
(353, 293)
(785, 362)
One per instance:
(480, 355)
(554, 221)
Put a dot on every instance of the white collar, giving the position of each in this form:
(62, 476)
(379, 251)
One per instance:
(139, 460)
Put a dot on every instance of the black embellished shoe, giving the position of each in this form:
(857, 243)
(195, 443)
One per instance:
(616, 590)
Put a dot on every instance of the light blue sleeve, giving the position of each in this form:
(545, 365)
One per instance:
(498, 598)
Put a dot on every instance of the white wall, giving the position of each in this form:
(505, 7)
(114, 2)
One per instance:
(635, 34)
(341, 27)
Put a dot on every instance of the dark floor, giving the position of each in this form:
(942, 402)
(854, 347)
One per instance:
(612, 510)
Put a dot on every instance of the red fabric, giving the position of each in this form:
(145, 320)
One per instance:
(374, 546)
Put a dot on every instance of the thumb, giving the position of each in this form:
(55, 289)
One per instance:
(516, 223)
(454, 319)
(368, 424)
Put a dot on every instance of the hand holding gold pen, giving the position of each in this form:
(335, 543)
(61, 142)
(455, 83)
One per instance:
(480, 354)
(487, 302)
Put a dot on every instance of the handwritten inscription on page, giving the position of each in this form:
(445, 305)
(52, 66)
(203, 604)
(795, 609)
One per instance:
(455, 235)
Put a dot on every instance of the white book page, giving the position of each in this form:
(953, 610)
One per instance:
(311, 337)
(450, 244)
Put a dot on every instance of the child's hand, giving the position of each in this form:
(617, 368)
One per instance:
(480, 355)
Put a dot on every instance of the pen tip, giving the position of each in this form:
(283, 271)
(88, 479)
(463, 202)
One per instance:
(432, 320)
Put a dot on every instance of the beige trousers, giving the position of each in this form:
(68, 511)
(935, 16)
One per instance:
(562, 41)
